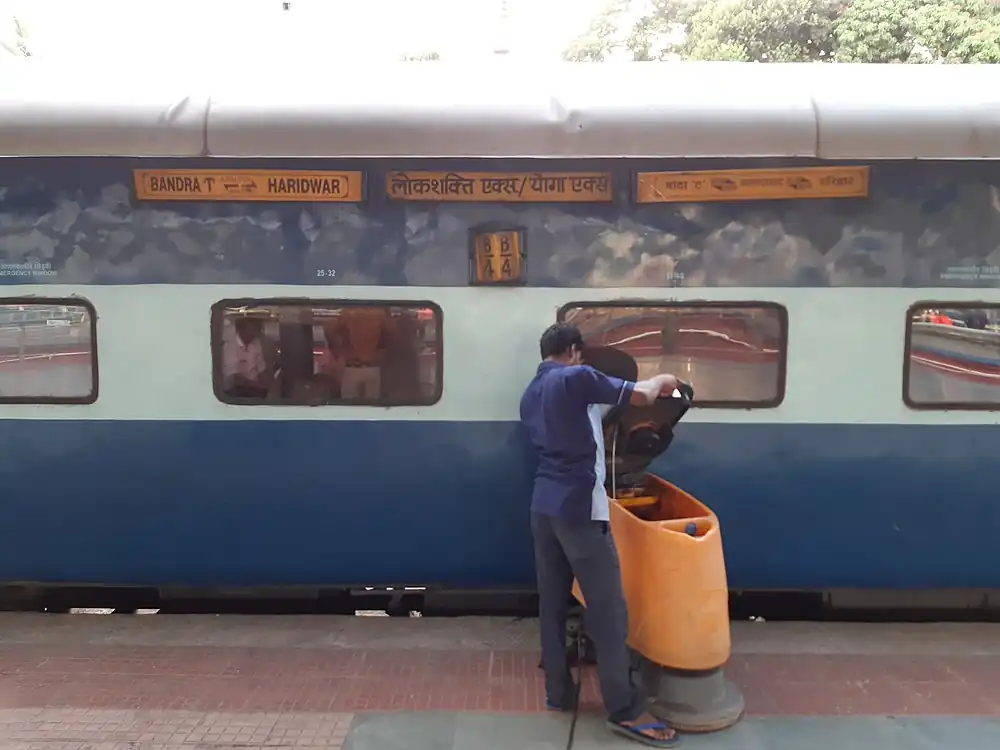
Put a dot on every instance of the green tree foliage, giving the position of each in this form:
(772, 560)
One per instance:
(902, 31)
(764, 30)
(605, 34)
(915, 31)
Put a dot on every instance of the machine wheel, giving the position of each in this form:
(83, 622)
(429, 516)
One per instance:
(577, 643)
(579, 648)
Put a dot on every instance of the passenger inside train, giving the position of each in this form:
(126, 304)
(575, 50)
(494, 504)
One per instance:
(245, 369)
(938, 317)
(359, 354)
(295, 361)
(361, 336)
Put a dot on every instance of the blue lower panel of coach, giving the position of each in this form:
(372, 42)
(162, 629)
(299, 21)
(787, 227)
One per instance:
(268, 503)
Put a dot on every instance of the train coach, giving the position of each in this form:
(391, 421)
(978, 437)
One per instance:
(284, 331)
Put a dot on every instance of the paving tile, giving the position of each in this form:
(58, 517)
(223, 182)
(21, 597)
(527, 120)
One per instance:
(964, 733)
(92, 729)
(180, 663)
(548, 732)
(333, 679)
(470, 634)
(404, 731)
(827, 733)
(89, 729)
(498, 732)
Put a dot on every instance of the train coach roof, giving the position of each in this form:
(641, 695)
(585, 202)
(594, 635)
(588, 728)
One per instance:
(433, 109)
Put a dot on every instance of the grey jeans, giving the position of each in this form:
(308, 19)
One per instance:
(584, 550)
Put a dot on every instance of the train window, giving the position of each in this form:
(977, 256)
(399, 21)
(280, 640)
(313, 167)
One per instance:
(312, 352)
(48, 351)
(732, 352)
(952, 358)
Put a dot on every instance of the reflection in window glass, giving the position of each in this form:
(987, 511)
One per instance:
(327, 353)
(953, 356)
(47, 352)
(731, 355)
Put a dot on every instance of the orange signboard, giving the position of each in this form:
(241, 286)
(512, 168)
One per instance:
(752, 185)
(497, 187)
(247, 185)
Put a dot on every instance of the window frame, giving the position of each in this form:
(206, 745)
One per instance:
(94, 367)
(781, 310)
(217, 316)
(908, 353)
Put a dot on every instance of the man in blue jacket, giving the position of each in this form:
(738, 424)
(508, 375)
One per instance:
(562, 411)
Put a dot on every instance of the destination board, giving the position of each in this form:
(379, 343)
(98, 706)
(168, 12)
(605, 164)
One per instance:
(247, 185)
(534, 187)
(752, 185)
(497, 257)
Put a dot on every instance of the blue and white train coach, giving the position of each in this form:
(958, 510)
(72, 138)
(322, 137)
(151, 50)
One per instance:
(816, 247)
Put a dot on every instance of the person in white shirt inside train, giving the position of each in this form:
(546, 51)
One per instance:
(245, 371)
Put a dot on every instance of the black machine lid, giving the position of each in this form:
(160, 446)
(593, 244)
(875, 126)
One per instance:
(643, 432)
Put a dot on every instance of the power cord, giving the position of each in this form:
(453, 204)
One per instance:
(578, 688)
(579, 635)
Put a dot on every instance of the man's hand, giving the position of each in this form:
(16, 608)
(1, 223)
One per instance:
(647, 391)
(668, 384)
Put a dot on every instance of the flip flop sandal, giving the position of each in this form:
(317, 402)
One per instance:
(635, 733)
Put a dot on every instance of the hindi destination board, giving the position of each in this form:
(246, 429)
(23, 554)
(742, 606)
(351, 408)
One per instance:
(536, 187)
(752, 185)
(247, 185)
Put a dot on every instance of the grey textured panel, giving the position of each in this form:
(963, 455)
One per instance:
(45, 114)
(575, 111)
(638, 110)
(908, 111)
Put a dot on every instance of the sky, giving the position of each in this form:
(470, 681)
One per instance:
(173, 34)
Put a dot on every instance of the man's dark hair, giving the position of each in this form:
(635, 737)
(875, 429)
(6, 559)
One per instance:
(558, 339)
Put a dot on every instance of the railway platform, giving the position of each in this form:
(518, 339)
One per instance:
(179, 682)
